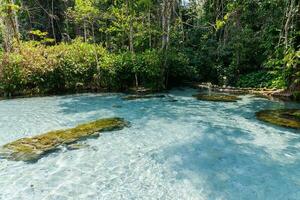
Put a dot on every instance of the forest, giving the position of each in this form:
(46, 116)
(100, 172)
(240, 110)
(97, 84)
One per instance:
(57, 46)
(150, 99)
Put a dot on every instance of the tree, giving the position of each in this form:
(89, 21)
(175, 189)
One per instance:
(9, 25)
(85, 15)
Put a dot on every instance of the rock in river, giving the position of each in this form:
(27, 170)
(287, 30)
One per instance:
(289, 118)
(141, 96)
(31, 149)
(217, 97)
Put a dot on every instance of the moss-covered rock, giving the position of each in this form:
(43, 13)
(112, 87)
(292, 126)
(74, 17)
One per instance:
(30, 149)
(217, 97)
(139, 96)
(76, 146)
(140, 90)
(289, 118)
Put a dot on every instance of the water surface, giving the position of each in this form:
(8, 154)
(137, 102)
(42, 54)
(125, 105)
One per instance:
(176, 148)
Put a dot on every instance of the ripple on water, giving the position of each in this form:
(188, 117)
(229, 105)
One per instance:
(183, 149)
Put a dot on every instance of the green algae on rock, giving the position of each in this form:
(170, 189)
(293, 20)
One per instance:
(289, 118)
(217, 97)
(140, 96)
(76, 146)
(31, 149)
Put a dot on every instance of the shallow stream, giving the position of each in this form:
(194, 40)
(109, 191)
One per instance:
(177, 147)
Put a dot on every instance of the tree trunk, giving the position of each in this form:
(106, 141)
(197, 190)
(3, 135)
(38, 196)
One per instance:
(149, 27)
(94, 41)
(52, 21)
(84, 31)
(131, 37)
(11, 37)
(182, 26)
(287, 23)
(132, 49)
(167, 6)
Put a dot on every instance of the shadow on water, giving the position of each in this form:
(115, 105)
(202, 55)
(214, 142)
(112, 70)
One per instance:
(109, 105)
(113, 101)
(247, 111)
(224, 169)
(214, 161)
(86, 103)
(113, 105)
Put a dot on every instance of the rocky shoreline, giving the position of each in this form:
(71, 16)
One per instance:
(263, 92)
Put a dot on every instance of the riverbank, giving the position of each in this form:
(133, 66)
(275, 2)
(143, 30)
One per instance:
(281, 94)
(262, 92)
(29, 94)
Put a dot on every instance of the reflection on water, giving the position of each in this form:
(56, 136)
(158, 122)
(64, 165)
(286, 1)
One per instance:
(176, 148)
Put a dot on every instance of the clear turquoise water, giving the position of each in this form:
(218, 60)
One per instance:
(184, 149)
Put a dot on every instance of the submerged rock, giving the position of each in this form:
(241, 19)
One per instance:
(116, 106)
(140, 90)
(139, 96)
(217, 97)
(172, 100)
(289, 118)
(76, 146)
(31, 149)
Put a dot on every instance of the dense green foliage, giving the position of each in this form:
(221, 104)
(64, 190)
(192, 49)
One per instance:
(76, 66)
(266, 79)
(56, 46)
(246, 46)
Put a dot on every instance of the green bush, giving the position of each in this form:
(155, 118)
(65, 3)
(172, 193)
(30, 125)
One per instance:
(150, 69)
(37, 68)
(11, 74)
(125, 66)
(119, 71)
(263, 79)
(77, 65)
(179, 68)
